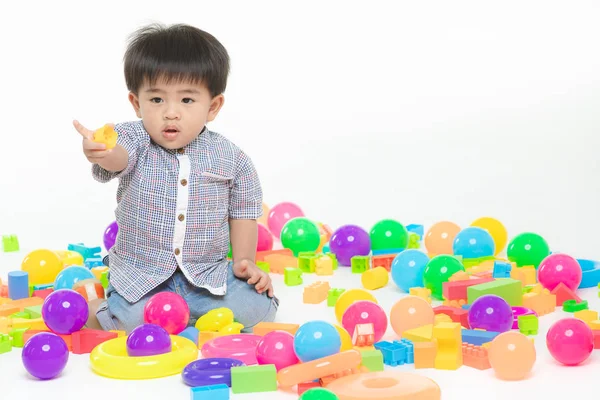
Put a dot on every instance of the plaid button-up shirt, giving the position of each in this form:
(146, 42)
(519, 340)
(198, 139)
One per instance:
(174, 208)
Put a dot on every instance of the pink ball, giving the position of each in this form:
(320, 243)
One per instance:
(559, 268)
(277, 348)
(570, 341)
(280, 215)
(365, 312)
(265, 239)
(169, 310)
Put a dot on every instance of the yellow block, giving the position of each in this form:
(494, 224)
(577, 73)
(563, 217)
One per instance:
(421, 334)
(449, 340)
(439, 318)
(375, 278)
(106, 135)
(586, 316)
(594, 325)
(33, 324)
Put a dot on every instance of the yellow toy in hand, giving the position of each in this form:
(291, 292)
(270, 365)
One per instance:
(106, 135)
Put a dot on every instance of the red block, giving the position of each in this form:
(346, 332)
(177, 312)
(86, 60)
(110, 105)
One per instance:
(303, 387)
(563, 293)
(596, 339)
(456, 314)
(384, 260)
(42, 294)
(85, 340)
(457, 290)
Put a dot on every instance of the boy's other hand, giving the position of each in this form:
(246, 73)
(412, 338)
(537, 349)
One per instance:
(245, 269)
(93, 151)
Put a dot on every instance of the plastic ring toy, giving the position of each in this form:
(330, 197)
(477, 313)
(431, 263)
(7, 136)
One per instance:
(385, 385)
(590, 273)
(210, 371)
(240, 347)
(110, 359)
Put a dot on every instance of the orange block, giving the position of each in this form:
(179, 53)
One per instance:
(279, 262)
(262, 328)
(27, 302)
(424, 354)
(316, 293)
(542, 303)
(8, 309)
(260, 255)
(475, 356)
(29, 333)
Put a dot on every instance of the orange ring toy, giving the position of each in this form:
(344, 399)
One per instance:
(385, 385)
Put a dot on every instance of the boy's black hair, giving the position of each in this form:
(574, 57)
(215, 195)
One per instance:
(180, 53)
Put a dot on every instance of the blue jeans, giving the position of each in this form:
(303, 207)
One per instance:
(248, 307)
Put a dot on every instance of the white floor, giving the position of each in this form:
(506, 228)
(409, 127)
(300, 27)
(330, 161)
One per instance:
(549, 379)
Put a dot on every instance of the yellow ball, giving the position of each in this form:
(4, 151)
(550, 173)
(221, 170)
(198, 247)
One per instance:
(496, 230)
(348, 298)
(43, 266)
(346, 339)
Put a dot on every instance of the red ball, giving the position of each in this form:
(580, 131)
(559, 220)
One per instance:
(570, 341)
(169, 310)
(265, 239)
(559, 268)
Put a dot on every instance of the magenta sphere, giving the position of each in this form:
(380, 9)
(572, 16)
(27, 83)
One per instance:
(491, 313)
(280, 214)
(169, 310)
(110, 235)
(148, 340)
(265, 239)
(277, 348)
(365, 312)
(349, 241)
(45, 355)
(570, 341)
(559, 268)
(65, 311)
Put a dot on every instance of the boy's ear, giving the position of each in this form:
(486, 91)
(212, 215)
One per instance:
(135, 102)
(215, 106)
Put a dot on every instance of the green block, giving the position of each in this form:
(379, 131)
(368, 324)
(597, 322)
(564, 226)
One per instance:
(34, 311)
(5, 344)
(10, 243)
(17, 336)
(254, 379)
(360, 264)
(372, 359)
(292, 276)
(473, 262)
(414, 241)
(333, 295)
(306, 263)
(104, 279)
(528, 324)
(264, 266)
(573, 306)
(509, 289)
(22, 314)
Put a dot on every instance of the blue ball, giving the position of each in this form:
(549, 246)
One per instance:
(473, 242)
(408, 267)
(316, 339)
(191, 333)
(70, 276)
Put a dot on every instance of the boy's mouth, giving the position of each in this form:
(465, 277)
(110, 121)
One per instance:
(170, 133)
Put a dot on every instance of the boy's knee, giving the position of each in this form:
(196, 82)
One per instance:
(255, 315)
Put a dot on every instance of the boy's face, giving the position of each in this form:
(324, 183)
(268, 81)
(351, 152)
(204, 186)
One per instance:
(174, 114)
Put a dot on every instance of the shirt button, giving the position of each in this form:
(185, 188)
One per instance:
(183, 182)
(177, 252)
(180, 151)
(181, 217)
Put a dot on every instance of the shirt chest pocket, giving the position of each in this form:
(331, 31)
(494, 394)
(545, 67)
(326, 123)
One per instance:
(213, 191)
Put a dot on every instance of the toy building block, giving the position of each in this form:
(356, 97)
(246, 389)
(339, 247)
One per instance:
(260, 255)
(292, 276)
(375, 278)
(475, 357)
(457, 289)
(3, 291)
(527, 275)
(97, 271)
(594, 325)
(507, 288)
(501, 269)
(9, 309)
(423, 293)
(439, 318)
(306, 262)
(278, 262)
(4, 325)
(364, 335)
(21, 315)
(477, 337)
(263, 265)
(384, 261)
(326, 380)
(420, 334)
(5, 343)
(107, 136)
(93, 262)
(35, 324)
(42, 294)
(573, 306)
(483, 270)
(416, 228)
(16, 335)
(304, 386)
(254, 379)
(528, 324)
(85, 340)
(333, 259)
(10, 243)
(541, 303)
(30, 332)
(395, 353)
(205, 336)
(459, 276)
(586, 316)
(449, 346)
(27, 302)
(333, 295)
(323, 265)
(360, 264)
(455, 303)
(425, 354)
(596, 339)
(262, 328)
(386, 252)
(457, 314)
(86, 252)
(210, 392)
(316, 293)
(563, 293)
(414, 241)
(18, 285)
(372, 359)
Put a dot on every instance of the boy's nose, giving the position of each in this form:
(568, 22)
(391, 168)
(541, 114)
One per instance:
(172, 113)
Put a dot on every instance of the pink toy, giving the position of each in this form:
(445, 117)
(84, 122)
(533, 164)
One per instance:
(365, 312)
(570, 341)
(557, 268)
(277, 348)
(169, 310)
(519, 311)
(280, 215)
(265, 239)
(241, 347)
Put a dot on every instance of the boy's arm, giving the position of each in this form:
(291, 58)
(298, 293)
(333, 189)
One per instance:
(116, 160)
(244, 237)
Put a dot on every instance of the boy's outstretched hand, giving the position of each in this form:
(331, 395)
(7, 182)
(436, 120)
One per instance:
(93, 151)
(245, 269)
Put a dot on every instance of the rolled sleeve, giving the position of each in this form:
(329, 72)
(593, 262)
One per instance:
(246, 192)
(130, 141)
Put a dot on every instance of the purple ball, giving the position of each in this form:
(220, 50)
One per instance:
(148, 340)
(491, 313)
(65, 311)
(110, 235)
(349, 241)
(45, 355)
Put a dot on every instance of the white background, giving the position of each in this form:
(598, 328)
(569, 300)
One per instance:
(418, 111)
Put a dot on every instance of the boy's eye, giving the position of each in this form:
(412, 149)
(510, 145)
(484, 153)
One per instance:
(187, 100)
(156, 100)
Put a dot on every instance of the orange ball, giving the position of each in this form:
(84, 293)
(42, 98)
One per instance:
(512, 355)
(440, 237)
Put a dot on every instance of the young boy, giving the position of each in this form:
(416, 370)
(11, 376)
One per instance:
(184, 191)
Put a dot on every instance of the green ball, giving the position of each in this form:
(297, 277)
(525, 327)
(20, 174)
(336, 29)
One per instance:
(388, 234)
(318, 394)
(527, 249)
(300, 234)
(439, 270)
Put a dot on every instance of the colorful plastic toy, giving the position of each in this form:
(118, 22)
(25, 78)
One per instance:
(65, 311)
(440, 237)
(300, 234)
(316, 339)
(410, 312)
(45, 355)
(473, 242)
(70, 276)
(210, 371)
(316, 369)
(110, 235)
(365, 312)
(408, 268)
(388, 234)
(148, 340)
(280, 214)
(169, 310)
(496, 229)
(439, 270)
(277, 348)
(512, 355)
(215, 320)
(590, 273)
(491, 313)
(241, 347)
(18, 285)
(347, 298)
(42, 265)
(106, 135)
(559, 268)
(570, 341)
(527, 249)
(520, 312)
(349, 241)
(265, 239)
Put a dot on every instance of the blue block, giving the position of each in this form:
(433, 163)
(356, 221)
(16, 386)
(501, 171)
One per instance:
(94, 262)
(397, 352)
(385, 252)
(418, 229)
(501, 269)
(466, 306)
(43, 287)
(18, 285)
(212, 392)
(410, 350)
(191, 333)
(86, 252)
(477, 337)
